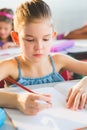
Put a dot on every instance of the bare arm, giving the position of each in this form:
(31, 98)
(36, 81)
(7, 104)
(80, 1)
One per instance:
(65, 62)
(80, 33)
(8, 100)
(75, 36)
(26, 103)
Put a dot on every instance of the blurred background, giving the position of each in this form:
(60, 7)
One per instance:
(67, 14)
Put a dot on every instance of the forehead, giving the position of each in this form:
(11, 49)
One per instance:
(37, 27)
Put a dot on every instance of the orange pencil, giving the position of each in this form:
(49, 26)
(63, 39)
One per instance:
(18, 84)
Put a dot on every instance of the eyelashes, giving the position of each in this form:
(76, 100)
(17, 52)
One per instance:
(34, 40)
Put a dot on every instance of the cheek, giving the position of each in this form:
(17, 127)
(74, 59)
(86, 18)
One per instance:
(47, 47)
(28, 49)
(8, 32)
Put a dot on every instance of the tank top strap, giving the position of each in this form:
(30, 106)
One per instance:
(19, 69)
(53, 64)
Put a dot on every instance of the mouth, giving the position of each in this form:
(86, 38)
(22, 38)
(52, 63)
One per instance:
(2, 36)
(37, 55)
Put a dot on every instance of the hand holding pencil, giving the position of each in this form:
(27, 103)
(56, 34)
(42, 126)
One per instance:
(31, 103)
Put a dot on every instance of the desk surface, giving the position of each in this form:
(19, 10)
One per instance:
(65, 84)
(9, 53)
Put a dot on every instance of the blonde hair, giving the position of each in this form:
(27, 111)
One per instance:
(30, 11)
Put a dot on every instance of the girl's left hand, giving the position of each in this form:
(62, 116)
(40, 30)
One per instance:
(77, 96)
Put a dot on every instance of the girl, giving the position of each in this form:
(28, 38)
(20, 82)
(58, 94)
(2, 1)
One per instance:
(6, 26)
(33, 32)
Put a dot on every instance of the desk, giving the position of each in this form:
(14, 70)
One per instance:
(65, 84)
(9, 53)
(7, 125)
(79, 50)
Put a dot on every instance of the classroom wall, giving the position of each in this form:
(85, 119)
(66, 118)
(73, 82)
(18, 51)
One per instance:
(67, 14)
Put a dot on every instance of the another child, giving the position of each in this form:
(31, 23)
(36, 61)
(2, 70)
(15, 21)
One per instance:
(34, 33)
(80, 33)
(6, 26)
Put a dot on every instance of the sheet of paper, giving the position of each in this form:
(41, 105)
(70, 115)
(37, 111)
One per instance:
(56, 118)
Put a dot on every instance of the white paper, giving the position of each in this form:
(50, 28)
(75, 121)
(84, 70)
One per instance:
(56, 118)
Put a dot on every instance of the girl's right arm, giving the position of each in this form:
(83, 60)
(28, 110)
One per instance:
(29, 104)
(8, 100)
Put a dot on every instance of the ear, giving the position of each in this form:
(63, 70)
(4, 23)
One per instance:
(54, 35)
(15, 39)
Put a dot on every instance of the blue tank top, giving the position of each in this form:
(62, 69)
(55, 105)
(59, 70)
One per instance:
(54, 76)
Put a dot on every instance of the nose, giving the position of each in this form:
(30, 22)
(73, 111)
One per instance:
(39, 45)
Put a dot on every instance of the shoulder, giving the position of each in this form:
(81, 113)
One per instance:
(62, 59)
(7, 63)
(58, 59)
(9, 67)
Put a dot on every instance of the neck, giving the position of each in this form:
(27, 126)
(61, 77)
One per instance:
(31, 64)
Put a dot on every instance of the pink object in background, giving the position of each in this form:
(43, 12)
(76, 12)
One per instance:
(60, 36)
(2, 84)
(62, 45)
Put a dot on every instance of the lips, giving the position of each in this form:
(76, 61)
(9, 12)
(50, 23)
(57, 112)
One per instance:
(37, 55)
(2, 35)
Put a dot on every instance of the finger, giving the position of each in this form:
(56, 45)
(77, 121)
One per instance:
(37, 104)
(86, 100)
(71, 98)
(69, 93)
(40, 97)
(77, 101)
(36, 107)
(40, 106)
(83, 101)
(48, 95)
(32, 111)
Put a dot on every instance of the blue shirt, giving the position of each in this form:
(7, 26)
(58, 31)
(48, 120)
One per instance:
(54, 76)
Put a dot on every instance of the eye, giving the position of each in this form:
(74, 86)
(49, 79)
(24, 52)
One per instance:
(46, 39)
(29, 40)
